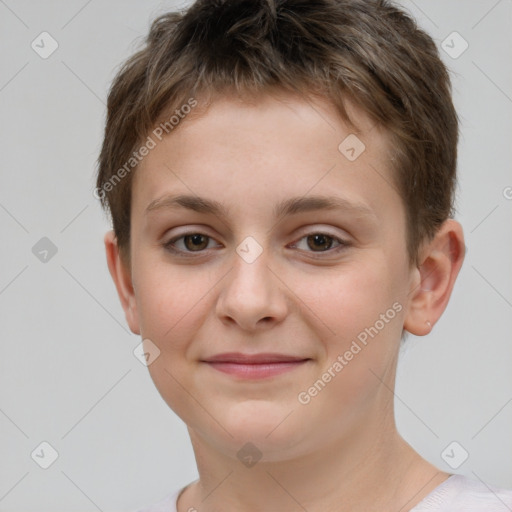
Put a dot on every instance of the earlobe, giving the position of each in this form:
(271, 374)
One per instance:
(441, 260)
(121, 276)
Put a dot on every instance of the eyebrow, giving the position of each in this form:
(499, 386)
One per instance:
(290, 206)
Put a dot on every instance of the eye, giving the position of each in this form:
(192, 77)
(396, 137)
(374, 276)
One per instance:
(193, 242)
(321, 241)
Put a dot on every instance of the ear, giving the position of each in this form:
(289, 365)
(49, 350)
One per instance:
(121, 276)
(441, 260)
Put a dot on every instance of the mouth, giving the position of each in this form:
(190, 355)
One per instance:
(254, 366)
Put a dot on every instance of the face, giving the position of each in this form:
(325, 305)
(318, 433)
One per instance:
(277, 318)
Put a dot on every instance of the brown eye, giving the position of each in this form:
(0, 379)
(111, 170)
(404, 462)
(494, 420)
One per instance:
(195, 242)
(319, 241)
(188, 243)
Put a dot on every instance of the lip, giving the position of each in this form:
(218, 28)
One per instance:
(254, 366)
(261, 358)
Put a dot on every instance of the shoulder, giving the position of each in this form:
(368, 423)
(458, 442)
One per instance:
(462, 494)
(167, 504)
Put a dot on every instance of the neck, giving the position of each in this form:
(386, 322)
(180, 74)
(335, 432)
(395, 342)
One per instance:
(375, 470)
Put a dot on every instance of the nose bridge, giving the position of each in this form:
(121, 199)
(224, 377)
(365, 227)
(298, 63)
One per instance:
(250, 279)
(252, 292)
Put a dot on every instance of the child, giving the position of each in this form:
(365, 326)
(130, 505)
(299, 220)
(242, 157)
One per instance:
(280, 176)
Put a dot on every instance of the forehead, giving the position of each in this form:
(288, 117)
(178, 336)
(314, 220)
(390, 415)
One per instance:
(270, 146)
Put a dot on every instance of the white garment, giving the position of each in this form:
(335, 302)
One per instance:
(460, 494)
(456, 494)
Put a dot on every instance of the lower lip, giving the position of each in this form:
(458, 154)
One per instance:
(256, 371)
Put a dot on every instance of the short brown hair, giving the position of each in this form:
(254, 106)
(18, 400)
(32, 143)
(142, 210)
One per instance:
(368, 51)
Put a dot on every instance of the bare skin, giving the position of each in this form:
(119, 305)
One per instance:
(340, 449)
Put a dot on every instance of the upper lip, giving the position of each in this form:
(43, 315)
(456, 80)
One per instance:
(240, 358)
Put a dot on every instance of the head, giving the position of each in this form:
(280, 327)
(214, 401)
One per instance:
(246, 106)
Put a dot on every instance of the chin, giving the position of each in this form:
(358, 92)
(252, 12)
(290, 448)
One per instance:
(268, 425)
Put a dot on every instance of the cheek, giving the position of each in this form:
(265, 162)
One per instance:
(364, 313)
(352, 298)
(367, 318)
(170, 300)
(172, 306)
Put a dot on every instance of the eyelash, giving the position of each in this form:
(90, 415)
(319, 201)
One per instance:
(169, 246)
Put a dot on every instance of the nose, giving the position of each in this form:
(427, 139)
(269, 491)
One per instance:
(253, 297)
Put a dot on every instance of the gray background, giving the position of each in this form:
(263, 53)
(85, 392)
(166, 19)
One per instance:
(68, 374)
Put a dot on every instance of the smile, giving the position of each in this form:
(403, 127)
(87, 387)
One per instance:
(257, 366)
